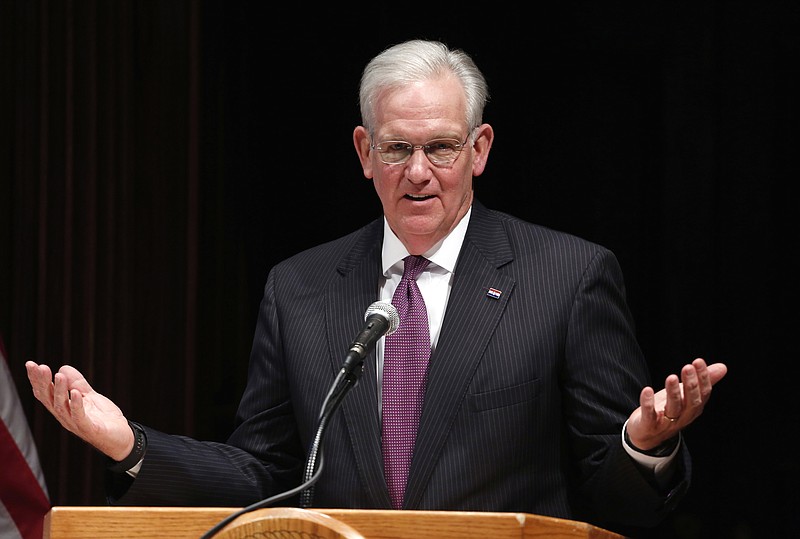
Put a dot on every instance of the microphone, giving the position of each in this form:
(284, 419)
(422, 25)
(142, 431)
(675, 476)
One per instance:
(381, 319)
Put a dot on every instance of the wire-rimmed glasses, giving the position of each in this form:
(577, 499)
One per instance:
(441, 152)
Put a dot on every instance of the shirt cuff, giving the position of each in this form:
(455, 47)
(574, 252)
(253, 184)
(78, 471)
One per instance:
(658, 465)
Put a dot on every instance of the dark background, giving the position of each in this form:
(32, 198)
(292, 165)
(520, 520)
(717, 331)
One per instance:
(157, 158)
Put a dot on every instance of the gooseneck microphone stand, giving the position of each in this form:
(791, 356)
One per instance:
(381, 319)
(345, 381)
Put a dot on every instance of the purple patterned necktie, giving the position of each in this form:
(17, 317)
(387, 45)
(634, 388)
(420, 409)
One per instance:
(405, 361)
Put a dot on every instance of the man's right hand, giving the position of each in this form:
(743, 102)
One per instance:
(82, 410)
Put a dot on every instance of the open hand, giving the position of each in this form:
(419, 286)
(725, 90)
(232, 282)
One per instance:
(662, 415)
(82, 410)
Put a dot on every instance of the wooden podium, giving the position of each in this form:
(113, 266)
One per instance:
(279, 522)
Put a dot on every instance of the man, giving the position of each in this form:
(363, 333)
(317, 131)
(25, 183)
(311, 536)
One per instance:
(531, 385)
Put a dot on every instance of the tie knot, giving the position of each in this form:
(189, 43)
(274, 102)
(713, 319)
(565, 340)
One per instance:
(413, 266)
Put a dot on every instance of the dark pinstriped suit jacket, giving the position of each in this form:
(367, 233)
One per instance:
(526, 396)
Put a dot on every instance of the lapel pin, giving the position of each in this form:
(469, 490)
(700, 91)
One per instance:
(493, 293)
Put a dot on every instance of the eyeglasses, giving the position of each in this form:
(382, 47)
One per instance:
(440, 152)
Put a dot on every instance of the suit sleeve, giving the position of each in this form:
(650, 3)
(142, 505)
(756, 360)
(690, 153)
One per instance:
(251, 466)
(604, 374)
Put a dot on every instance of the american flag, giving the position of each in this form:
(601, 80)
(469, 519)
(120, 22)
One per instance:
(494, 293)
(23, 494)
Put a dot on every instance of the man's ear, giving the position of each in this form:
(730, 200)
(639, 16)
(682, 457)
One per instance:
(361, 141)
(483, 143)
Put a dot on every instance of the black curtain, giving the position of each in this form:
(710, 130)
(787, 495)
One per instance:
(157, 158)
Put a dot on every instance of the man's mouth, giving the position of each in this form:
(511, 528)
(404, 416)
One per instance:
(418, 197)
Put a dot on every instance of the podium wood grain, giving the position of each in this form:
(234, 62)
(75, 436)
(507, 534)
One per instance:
(64, 522)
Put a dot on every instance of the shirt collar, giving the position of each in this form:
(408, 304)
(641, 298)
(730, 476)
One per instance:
(444, 254)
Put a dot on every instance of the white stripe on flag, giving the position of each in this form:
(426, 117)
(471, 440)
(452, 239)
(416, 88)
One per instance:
(23, 494)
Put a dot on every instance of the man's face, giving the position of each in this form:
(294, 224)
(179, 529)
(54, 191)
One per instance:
(422, 202)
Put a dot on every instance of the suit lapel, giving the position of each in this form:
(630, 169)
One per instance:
(473, 312)
(348, 298)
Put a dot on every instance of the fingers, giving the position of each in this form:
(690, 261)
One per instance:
(41, 380)
(674, 404)
(703, 378)
(62, 393)
(77, 412)
(647, 403)
(716, 372)
(646, 426)
(692, 393)
(686, 397)
(698, 380)
(664, 413)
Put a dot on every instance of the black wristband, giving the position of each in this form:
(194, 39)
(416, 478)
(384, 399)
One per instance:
(664, 449)
(136, 454)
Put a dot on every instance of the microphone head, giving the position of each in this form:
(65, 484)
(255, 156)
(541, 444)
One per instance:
(387, 311)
